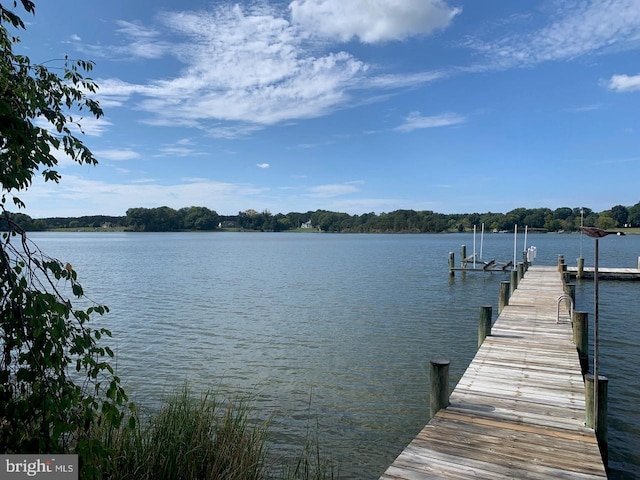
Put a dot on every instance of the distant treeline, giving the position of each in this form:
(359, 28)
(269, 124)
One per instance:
(166, 219)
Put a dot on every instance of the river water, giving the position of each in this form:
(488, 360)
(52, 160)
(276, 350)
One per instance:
(331, 332)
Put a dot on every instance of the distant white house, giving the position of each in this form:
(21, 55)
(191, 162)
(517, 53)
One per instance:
(306, 224)
(228, 224)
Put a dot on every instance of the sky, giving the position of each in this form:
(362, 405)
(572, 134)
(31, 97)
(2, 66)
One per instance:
(356, 106)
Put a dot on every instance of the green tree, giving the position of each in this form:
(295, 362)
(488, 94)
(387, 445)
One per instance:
(620, 214)
(605, 221)
(137, 219)
(165, 219)
(268, 221)
(562, 213)
(536, 218)
(282, 223)
(251, 220)
(473, 219)
(44, 407)
(199, 218)
(634, 215)
(25, 222)
(515, 217)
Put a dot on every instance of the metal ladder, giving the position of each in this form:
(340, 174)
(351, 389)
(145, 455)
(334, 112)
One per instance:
(565, 297)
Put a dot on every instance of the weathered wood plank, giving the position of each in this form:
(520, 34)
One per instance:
(518, 410)
(607, 273)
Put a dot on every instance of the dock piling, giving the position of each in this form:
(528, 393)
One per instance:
(601, 428)
(452, 264)
(484, 326)
(580, 273)
(439, 391)
(520, 270)
(581, 338)
(570, 289)
(513, 281)
(503, 297)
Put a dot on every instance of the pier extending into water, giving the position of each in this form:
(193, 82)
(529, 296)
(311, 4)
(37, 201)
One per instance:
(519, 409)
(605, 273)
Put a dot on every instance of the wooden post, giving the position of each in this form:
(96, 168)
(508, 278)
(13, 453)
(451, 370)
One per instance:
(520, 271)
(560, 262)
(463, 252)
(601, 428)
(570, 289)
(452, 264)
(514, 282)
(484, 327)
(439, 392)
(566, 276)
(580, 273)
(525, 260)
(503, 298)
(581, 338)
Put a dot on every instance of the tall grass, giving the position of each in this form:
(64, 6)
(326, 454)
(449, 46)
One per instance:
(310, 464)
(206, 439)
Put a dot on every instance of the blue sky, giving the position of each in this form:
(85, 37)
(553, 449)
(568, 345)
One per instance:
(354, 106)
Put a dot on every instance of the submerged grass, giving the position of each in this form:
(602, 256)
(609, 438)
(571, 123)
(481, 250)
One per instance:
(204, 438)
(310, 464)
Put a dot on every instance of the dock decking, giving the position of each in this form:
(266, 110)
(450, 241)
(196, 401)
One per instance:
(519, 409)
(607, 273)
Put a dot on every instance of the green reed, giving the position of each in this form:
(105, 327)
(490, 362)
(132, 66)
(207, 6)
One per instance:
(204, 438)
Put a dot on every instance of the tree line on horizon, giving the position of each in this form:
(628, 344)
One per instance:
(166, 219)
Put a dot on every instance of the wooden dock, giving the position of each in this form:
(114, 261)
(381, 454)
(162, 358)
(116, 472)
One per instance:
(607, 273)
(519, 409)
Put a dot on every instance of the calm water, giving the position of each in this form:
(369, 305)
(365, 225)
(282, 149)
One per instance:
(330, 330)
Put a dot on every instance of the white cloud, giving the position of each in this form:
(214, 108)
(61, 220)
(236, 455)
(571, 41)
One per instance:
(263, 165)
(624, 83)
(135, 30)
(576, 29)
(333, 190)
(585, 108)
(384, 81)
(144, 42)
(241, 67)
(371, 21)
(63, 159)
(244, 68)
(75, 196)
(116, 154)
(178, 151)
(232, 131)
(91, 126)
(415, 121)
(113, 92)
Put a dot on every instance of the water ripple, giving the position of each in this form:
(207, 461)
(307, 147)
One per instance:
(336, 330)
